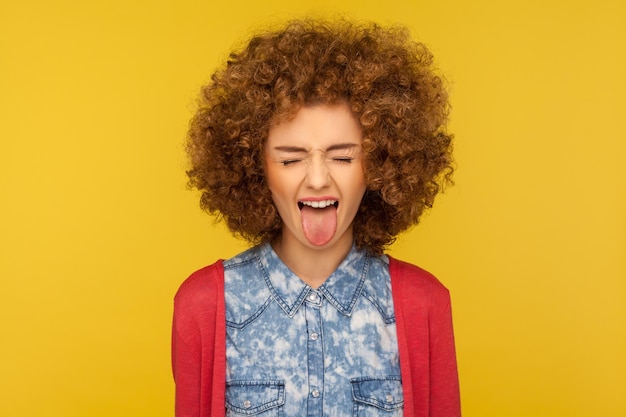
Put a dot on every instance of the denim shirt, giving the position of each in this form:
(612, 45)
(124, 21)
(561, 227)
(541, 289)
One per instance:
(292, 350)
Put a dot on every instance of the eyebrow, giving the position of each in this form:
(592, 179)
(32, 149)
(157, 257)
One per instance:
(335, 147)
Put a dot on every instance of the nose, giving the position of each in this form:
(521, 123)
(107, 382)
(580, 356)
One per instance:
(318, 175)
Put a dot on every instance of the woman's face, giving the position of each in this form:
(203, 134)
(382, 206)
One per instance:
(314, 170)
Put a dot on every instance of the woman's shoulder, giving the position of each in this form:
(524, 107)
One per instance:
(201, 286)
(198, 306)
(207, 283)
(412, 278)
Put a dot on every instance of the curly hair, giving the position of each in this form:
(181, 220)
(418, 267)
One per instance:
(393, 90)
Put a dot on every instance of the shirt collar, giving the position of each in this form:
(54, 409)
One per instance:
(342, 289)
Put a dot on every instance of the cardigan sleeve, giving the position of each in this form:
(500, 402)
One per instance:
(425, 342)
(444, 381)
(198, 344)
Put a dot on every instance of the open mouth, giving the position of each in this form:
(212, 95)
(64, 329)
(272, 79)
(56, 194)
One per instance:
(318, 204)
(319, 220)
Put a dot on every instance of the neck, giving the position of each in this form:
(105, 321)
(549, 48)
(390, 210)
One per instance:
(312, 265)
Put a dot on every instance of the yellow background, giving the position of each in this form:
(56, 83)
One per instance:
(97, 229)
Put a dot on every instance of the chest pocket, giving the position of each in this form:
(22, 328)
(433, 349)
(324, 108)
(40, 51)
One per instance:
(375, 397)
(255, 398)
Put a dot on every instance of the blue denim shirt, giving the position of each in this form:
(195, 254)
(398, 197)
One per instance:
(292, 350)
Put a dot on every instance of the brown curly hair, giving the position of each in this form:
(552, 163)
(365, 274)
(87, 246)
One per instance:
(387, 80)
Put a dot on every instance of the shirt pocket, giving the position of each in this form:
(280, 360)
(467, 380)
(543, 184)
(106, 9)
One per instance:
(255, 398)
(380, 396)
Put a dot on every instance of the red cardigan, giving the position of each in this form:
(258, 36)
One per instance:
(424, 329)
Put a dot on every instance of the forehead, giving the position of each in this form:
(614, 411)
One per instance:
(317, 125)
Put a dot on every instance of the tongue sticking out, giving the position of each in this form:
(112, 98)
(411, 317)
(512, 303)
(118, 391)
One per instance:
(319, 224)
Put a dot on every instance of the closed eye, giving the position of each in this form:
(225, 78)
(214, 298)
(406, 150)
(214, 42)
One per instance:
(288, 162)
(345, 159)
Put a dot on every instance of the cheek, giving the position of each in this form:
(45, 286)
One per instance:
(359, 181)
(281, 186)
(272, 179)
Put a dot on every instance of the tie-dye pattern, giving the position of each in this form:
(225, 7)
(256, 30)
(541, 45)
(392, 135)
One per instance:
(295, 351)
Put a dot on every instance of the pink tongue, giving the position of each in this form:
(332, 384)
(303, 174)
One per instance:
(319, 225)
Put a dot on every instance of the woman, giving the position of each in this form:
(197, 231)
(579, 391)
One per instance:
(318, 143)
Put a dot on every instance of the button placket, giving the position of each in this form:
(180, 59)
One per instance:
(315, 354)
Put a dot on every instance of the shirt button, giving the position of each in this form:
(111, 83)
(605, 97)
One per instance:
(315, 393)
(313, 297)
(314, 336)
(389, 398)
(246, 404)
